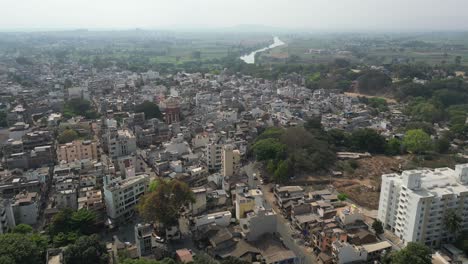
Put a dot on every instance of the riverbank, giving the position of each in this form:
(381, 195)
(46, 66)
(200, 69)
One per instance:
(250, 58)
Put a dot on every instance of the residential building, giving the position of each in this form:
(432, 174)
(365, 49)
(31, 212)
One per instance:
(258, 223)
(122, 195)
(7, 217)
(77, 150)
(247, 200)
(230, 160)
(284, 194)
(413, 204)
(222, 218)
(26, 208)
(144, 239)
(121, 143)
(213, 156)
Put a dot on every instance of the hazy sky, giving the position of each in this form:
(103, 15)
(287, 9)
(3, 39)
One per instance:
(304, 14)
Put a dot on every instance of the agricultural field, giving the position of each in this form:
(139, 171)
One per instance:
(371, 49)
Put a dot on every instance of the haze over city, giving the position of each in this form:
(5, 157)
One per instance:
(233, 131)
(321, 15)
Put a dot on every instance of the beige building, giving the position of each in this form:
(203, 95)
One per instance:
(77, 150)
(230, 160)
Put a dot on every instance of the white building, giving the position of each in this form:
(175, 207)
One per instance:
(121, 195)
(413, 204)
(121, 143)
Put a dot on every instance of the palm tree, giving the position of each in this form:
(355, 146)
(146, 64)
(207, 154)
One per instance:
(452, 221)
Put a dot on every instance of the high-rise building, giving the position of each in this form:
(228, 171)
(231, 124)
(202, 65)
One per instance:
(413, 204)
(213, 155)
(230, 160)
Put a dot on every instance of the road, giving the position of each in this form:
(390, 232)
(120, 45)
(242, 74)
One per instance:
(283, 225)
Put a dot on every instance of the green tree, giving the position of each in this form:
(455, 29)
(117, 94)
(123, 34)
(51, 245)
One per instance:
(67, 136)
(84, 221)
(415, 253)
(342, 197)
(378, 227)
(271, 166)
(453, 221)
(393, 147)
(18, 248)
(64, 239)
(150, 109)
(281, 172)
(417, 141)
(164, 203)
(22, 229)
(442, 145)
(77, 106)
(367, 140)
(267, 149)
(87, 249)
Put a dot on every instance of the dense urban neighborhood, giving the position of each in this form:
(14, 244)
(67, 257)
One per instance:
(222, 161)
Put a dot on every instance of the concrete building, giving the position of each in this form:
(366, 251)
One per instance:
(66, 199)
(121, 195)
(7, 218)
(230, 160)
(247, 200)
(77, 150)
(144, 239)
(199, 205)
(413, 204)
(344, 252)
(26, 208)
(284, 194)
(213, 156)
(121, 143)
(258, 223)
(219, 218)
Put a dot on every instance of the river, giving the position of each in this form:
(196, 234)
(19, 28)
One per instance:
(250, 58)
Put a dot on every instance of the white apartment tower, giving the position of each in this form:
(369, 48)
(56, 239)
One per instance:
(122, 195)
(413, 204)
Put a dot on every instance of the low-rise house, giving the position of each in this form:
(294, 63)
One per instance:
(285, 194)
(222, 219)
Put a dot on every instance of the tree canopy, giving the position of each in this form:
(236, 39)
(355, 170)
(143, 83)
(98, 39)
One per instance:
(79, 107)
(150, 109)
(163, 204)
(415, 253)
(367, 140)
(417, 141)
(87, 249)
(67, 136)
(18, 248)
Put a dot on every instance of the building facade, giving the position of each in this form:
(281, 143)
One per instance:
(77, 150)
(122, 195)
(413, 204)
